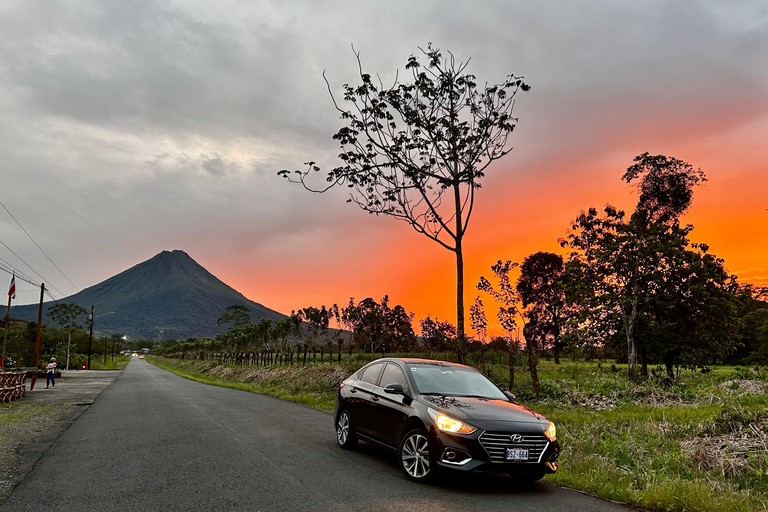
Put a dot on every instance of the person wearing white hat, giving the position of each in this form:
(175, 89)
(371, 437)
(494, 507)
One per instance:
(49, 373)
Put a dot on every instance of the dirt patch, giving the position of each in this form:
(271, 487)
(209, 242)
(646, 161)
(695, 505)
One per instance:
(24, 440)
(594, 401)
(730, 453)
(743, 387)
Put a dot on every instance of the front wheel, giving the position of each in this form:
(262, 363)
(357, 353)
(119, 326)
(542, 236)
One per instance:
(344, 433)
(414, 456)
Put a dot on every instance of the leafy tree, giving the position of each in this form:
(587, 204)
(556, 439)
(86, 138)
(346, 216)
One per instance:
(541, 286)
(621, 259)
(511, 308)
(236, 314)
(68, 316)
(479, 324)
(417, 151)
(752, 307)
(379, 325)
(317, 321)
(285, 328)
(437, 335)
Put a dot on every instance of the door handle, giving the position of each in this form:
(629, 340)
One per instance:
(374, 398)
(353, 390)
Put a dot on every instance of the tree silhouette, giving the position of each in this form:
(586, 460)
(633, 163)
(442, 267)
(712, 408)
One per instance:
(510, 308)
(622, 259)
(417, 151)
(541, 286)
(237, 314)
(67, 315)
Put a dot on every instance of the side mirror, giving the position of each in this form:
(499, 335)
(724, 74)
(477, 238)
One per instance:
(511, 396)
(395, 389)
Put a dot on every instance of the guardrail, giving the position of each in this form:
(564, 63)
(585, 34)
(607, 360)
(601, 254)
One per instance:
(14, 386)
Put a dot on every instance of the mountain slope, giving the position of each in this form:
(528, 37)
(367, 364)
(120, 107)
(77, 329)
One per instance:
(167, 296)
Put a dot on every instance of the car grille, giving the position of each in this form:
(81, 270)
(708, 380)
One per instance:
(496, 444)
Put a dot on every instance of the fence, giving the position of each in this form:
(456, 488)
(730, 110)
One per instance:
(14, 385)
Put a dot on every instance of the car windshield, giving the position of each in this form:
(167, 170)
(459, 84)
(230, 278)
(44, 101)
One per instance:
(454, 381)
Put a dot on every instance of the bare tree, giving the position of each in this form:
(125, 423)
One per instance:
(416, 151)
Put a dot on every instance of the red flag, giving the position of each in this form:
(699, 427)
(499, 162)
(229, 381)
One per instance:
(12, 289)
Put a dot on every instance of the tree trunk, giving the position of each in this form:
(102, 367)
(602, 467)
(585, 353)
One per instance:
(530, 342)
(629, 326)
(511, 363)
(460, 302)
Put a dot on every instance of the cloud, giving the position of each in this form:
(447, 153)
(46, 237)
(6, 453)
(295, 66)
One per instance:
(127, 129)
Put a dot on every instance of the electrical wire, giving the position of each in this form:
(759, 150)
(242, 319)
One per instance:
(30, 268)
(38, 246)
(4, 265)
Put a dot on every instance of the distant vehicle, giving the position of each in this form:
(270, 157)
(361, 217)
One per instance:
(134, 355)
(141, 356)
(441, 416)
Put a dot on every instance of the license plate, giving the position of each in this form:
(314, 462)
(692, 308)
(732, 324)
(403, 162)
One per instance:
(517, 454)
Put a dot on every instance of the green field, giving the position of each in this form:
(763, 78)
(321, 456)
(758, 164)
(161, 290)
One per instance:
(696, 444)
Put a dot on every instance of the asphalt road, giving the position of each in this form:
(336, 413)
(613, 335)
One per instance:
(154, 441)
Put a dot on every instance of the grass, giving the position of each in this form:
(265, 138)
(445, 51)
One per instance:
(119, 363)
(695, 444)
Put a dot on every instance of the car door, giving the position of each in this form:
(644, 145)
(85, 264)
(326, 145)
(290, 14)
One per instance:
(361, 401)
(389, 411)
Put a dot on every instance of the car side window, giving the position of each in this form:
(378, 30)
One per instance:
(371, 374)
(393, 375)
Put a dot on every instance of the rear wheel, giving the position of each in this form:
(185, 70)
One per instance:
(414, 456)
(344, 433)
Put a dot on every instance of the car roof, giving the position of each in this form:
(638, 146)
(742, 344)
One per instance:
(415, 361)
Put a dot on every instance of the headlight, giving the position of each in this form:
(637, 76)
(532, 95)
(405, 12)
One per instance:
(551, 432)
(448, 424)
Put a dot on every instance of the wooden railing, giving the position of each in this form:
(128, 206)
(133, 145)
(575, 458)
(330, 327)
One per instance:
(14, 385)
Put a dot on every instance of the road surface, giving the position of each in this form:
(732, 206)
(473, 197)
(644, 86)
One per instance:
(154, 441)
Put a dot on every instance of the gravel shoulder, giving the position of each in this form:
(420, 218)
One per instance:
(28, 427)
(26, 432)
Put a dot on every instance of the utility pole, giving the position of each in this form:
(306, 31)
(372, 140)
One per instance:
(90, 339)
(105, 350)
(39, 334)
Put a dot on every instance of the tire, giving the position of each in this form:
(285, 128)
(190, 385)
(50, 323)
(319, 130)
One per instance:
(345, 434)
(414, 456)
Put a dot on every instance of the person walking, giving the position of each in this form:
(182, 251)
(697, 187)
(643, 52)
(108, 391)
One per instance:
(50, 370)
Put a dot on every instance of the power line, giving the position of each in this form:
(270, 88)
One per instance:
(4, 265)
(21, 278)
(30, 268)
(38, 246)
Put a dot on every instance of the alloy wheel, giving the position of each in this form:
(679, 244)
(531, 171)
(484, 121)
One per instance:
(415, 456)
(342, 428)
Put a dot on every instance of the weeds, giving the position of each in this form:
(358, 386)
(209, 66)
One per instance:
(693, 444)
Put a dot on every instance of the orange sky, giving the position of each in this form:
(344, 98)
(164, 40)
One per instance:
(517, 216)
(123, 136)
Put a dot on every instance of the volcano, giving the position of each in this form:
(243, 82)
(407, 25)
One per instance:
(169, 296)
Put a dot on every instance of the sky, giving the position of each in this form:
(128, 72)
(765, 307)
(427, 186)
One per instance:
(131, 128)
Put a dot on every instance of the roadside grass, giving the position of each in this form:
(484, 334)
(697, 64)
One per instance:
(119, 363)
(697, 443)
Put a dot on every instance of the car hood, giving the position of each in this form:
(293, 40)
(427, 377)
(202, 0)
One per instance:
(485, 413)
